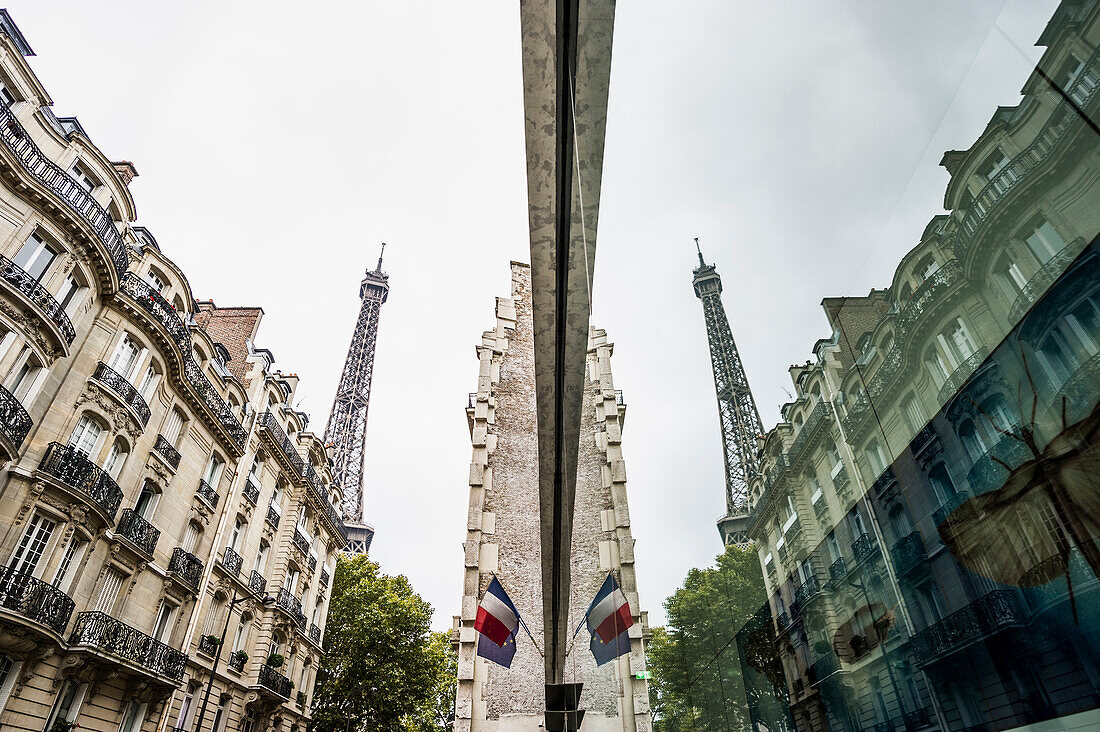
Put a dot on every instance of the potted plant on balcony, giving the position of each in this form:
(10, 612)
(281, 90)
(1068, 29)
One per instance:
(212, 640)
(62, 725)
(237, 658)
(275, 660)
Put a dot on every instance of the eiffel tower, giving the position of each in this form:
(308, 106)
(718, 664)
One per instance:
(740, 419)
(347, 423)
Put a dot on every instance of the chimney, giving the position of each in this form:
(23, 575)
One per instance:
(126, 171)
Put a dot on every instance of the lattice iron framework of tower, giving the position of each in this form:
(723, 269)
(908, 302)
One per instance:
(347, 423)
(741, 425)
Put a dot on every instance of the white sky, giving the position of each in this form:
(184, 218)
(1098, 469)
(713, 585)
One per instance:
(279, 143)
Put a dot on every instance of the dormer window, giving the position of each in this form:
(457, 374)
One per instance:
(927, 267)
(1071, 69)
(82, 177)
(156, 282)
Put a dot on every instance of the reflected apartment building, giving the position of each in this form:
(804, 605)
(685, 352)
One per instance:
(157, 487)
(924, 513)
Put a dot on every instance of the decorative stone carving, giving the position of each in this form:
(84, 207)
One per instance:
(119, 416)
(33, 328)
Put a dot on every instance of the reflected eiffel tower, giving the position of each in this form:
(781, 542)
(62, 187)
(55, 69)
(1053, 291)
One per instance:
(741, 426)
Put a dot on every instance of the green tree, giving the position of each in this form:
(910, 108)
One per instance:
(697, 682)
(383, 669)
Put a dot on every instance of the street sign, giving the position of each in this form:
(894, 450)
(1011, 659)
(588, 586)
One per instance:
(643, 675)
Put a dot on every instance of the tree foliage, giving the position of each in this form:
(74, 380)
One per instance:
(383, 669)
(697, 683)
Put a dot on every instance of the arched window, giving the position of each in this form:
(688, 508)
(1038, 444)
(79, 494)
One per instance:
(999, 417)
(125, 357)
(116, 458)
(86, 435)
(278, 642)
(173, 426)
(147, 500)
(972, 440)
(191, 537)
(149, 380)
(942, 485)
(933, 361)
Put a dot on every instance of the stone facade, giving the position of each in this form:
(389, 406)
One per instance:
(503, 534)
(905, 415)
(156, 486)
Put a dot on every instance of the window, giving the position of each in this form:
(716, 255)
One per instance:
(190, 538)
(240, 637)
(999, 417)
(66, 569)
(213, 471)
(933, 361)
(957, 343)
(900, 523)
(33, 544)
(993, 166)
(125, 357)
(36, 255)
(26, 377)
(146, 501)
(183, 718)
(942, 485)
(70, 295)
(172, 427)
(9, 673)
(261, 557)
(6, 97)
(67, 703)
(236, 536)
(162, 628)
(1043, 241)
(875, 458)
(86, 435)
(972, 440)
(833, 545)
(1068, 74)
(248, 722)
(914, 417)
(302, 520)
(927, 266)
(1008, 279)
(276, 498)
(790, 515)
(116, 458)
(83, 179)
(221, 716)
(292, 576)
(148, 382)
(805, 571)
(855, 523)
(133, 717)
(156, 282)
(108, 592)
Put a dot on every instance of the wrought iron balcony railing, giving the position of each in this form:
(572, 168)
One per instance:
(837, 570)
(165, 450)
(15, 423)
(980, 619)
(806, 591)
(925, 295)
(138, 531)
(33, 290)
(271, 679)
(166, 315)
(287, 601)
(301, 541)
(961, 373)
(917, 719)
(104, 633)
(782, 621)
(324, 576)
(268, 421)
(950, 504)
(251, 491)
(74, 469)
(35, 600)
(908, 553)
(817, 416)
(62, 186)
(315, 632)
(824, 667)
(989, 471)
(884, 481)
(208, 644)
(312, 563)
(237, 661)
(207, 493)
(125, 391)
(257, 583)
(231, 560)
(273, 516)
(863, 546)
(186, 566)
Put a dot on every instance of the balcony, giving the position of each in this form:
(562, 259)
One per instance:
(208, 645)
(988, 471)
(207, 493)
(32, 290)
(274, 681)
(816, 418)
(273, 516)
(231, 561)
(35, 600)
(807, 591)
(324, 577)
(165, 450)
(782, 621)
(138, 531)
(961, 373)
(186, 567)
(824, 667)
(107, 635)
(908, 553)
(301, 541)
(311, 563)
(257, 583)
(251, 491)
(63, 189)
(925, 296)
(164, 314)
(863, 546)
(303, 468)
(15, 423)
(236, 661)
(315, 633)
(950, 504)
(124, 390)
(1025, 165)
(980, 619)
(884, 481)
(917, 719)
(300, 699)
(837, 570)
(1043, 278)
(74, 469)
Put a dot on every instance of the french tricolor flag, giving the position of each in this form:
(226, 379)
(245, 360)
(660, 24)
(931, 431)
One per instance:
(497, 617)
(609, 619)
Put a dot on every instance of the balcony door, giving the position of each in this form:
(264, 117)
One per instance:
(28, 555)
(35, 256)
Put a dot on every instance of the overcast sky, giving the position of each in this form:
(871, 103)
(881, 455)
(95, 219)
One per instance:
(279, 143)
